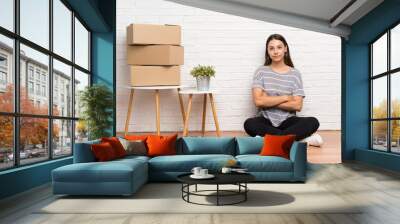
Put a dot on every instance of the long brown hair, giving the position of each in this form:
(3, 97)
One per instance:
(286, 57)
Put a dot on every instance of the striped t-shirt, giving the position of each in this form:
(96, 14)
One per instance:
(275, 84)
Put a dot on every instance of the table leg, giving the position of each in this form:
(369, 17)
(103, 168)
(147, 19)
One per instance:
(214, 114)
(128, 115)
(185, 128)
(181, 105)
(203, 124)
(217, 194)
(158, 111)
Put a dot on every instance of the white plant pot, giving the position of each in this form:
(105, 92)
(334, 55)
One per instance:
(203, 83)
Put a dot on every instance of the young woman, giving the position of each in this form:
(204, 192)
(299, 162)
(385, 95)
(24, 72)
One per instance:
(278, 93)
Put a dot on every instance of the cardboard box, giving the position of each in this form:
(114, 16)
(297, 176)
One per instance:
(143, 34)
(154, 55)
(155, 75)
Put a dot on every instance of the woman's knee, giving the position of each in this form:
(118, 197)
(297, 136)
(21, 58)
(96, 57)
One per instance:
(250, 126)
(314, 123)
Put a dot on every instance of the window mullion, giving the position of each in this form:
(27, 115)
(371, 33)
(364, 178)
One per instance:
(389, 104)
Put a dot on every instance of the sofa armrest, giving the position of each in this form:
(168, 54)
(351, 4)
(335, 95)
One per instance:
(298, 155)
(83, 152)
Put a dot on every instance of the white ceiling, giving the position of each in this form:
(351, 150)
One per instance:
(326, 16)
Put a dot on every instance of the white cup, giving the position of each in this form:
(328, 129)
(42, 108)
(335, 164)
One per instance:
(203, 172)
(196, 170)
(226, 170)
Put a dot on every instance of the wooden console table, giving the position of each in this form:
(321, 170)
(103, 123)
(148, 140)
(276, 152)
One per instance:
(156, 90)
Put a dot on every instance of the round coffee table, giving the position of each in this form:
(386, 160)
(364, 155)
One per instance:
(238, 179)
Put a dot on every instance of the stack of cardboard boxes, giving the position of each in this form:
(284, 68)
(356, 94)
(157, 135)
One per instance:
(154, 54)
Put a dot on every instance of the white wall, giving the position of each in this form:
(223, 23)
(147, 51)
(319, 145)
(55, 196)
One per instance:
(235, 46)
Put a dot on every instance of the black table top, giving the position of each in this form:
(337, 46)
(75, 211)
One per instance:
(220, 178)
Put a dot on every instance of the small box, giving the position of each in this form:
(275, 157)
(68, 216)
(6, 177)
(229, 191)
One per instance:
(154, 55)
(142, 34)
(155, 75)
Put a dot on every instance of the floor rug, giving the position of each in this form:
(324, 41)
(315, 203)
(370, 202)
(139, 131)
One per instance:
(167, 198)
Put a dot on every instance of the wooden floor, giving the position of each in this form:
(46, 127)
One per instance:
(377, 189)
(329, 153)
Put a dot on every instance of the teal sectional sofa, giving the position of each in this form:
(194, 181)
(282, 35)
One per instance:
(125, 176)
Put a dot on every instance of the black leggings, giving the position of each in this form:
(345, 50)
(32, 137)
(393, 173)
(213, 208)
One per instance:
(302, 127)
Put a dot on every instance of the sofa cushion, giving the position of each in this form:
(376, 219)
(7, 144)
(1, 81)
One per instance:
(208, 145)
(185, 163)
(257, 163)
(161, 145)
(112, 171)
(249, 145)
(134, 147)
(103, 152)
(116, 145)
(277, 145)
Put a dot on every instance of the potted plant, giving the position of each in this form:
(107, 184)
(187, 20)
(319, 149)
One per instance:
(202, 73)
(96, 102)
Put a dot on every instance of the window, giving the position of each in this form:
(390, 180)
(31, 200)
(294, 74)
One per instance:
(62, 137)
(62, 29)
(7, 14)
(30, 87)
(30, 72)
(81, 45)
(6, 74)
(34, 21)
(45, 131)
(3, 78)
(385, 92)
(62, 74)
(6, 142)
(44, 91)
(81, 81)
(3, 61)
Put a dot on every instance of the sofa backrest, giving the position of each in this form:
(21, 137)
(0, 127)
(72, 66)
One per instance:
(83, 152)
(206, 145)
(249, 145)
(190, 146)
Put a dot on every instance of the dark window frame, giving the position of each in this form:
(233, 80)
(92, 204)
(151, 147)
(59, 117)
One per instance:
(388, 74)
(16, 114)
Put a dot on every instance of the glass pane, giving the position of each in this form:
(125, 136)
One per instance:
(33, 139)
(35, 21)
(81, 131)
(395, 47)
(7, 14)
(34, 97)
(395, 94)
(6, 142)
(62, 29)
(81, 45)
(62, 138)
(6, 74)
(62, 89)
(81, 81)
(395, 136)
(379, 55)
(379, 98)
(379, 135)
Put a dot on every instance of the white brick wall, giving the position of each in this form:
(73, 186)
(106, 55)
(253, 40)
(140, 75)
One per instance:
(235, 46)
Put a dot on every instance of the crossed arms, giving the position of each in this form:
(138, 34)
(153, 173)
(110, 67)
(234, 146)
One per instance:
(289, 103)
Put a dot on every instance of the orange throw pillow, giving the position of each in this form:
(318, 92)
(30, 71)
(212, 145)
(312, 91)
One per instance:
(103, 152)
(136, 137)
(161, 145)
(277, 145)
(116, 145)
